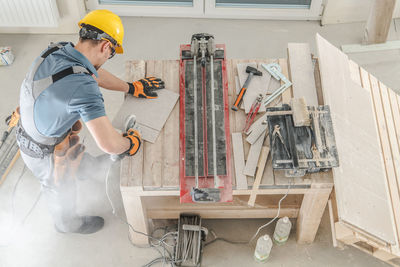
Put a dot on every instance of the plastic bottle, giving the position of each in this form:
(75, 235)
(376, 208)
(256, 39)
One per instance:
(282, 231)
(263, 248)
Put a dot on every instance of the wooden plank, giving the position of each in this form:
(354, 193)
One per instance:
(281, 179)
(10, 166)
(171, 128)
(366, 237)
(238, 156)
(371, 83)
(267, 190)
(357, 142)
(332, 219)
(310, 214)
(394, 142)
(258, 125)
(256, 133)
(396, 112)
(135, 70)
(287, 94)
(240, 116)
(318, 86)
(153, 153)
(301, 72)
(262, 213)
(361, 48)
(255, 87)
(383, 255)
(260, 171)
(131, 167)
(301, 116)
(266, 206)
(379, 20)
(252, 157)
(268, 178)
(344, 234)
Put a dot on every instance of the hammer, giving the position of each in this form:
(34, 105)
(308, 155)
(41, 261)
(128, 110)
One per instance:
(251, 71)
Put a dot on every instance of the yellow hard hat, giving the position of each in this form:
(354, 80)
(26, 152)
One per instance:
(109, 23)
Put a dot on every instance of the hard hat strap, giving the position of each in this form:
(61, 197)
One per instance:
(93, 33)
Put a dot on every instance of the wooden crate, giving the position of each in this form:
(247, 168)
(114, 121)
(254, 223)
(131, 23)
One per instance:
(150, 179)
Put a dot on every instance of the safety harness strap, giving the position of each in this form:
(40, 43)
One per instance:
(35, 144)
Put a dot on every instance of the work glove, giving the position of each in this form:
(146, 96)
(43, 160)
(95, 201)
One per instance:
(136, 141)
(144, 88)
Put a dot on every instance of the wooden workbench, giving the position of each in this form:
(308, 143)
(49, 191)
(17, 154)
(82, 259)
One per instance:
(150, 179)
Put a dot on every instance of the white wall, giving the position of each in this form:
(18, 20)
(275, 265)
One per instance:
(345, 11)
(71, 11)
(336, 11)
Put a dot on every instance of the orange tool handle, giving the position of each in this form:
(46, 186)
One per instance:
(239, 99)
(14, 118)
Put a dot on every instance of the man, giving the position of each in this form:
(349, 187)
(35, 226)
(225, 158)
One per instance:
(61, 88)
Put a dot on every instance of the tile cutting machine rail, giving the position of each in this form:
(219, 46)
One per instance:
(205, 159)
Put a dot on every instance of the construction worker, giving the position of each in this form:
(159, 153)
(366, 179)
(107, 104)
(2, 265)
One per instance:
(62, 88)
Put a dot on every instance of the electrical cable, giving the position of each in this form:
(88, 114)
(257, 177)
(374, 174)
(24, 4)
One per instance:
(277, 215)
(13, 210)
(14, 193)
(32, 208)
(258, 230)
(161, 242)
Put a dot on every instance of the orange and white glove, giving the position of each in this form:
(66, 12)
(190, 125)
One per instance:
(144, 88)
(135, 140)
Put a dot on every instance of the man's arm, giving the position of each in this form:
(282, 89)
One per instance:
(144, 88)
(110, 81)
(106, 137)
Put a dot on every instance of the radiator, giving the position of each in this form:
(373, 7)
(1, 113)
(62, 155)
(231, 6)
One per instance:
(28, 13)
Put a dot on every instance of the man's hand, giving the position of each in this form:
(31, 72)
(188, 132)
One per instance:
(144, 88)
(135, 140)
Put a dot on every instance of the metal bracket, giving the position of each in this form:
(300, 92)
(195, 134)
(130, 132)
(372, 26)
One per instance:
(275, 70)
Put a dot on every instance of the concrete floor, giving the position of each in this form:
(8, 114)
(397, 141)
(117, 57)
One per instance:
(36, 243)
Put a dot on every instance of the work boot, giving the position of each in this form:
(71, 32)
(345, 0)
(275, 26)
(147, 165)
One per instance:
(90, 225)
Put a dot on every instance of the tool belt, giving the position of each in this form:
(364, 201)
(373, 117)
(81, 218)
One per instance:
(30, 147)
(67, 156)
(37, 150)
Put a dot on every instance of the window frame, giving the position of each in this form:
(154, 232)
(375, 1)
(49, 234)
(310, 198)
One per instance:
(208, 9)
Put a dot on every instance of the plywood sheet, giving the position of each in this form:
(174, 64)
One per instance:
(360, 180)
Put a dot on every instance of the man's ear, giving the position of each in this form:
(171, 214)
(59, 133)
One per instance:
(104, 46)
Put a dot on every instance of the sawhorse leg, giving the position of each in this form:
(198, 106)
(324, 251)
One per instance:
(136, 216)
(310, 214)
